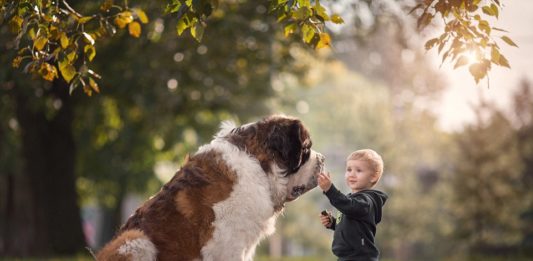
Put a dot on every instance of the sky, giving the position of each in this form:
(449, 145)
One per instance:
(455, 108)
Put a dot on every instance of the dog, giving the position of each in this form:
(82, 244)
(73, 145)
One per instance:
(225, 198)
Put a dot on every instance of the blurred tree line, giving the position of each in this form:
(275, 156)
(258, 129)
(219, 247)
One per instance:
(453, 196)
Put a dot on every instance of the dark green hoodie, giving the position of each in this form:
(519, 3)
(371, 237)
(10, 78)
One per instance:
(355, 228)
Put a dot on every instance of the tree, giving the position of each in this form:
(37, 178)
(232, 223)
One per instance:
(522, 117)
(201, 84)
(486, 179)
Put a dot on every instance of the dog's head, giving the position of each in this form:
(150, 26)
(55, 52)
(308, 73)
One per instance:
(282, 146)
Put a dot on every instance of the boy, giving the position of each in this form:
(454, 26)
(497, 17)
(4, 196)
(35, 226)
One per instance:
(360, 211)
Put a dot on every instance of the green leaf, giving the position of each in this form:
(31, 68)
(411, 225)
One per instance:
(197, 31)
(509, 41)
(84, 19)
(320, 11)
(67, 70)
(302, 13)
(90, 52)
(181, 26)
(308, 33)
(290, 29)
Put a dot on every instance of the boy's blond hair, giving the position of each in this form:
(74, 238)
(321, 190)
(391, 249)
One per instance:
(372, 158)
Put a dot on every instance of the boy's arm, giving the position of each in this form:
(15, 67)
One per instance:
(355, 207)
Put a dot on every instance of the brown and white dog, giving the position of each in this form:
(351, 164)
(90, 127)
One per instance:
(225, 198)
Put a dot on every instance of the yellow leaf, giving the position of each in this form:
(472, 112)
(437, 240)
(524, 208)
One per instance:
(94, 85)
(181, 26)
(135, 29)
(106, 5)
(64, 41)
(142, 15)
(494, 10)
(503, 62)
(40, 42)
(90, 52)
(16, 24)
(48, 71)
(325, 41)
(495, 55)
(16, 62)
(85, 19)
(509, 41)
(430, 43)
(461, 61)
(123, 19)
(487, 10)
(337, 19)
(71, 56)
(67, 70)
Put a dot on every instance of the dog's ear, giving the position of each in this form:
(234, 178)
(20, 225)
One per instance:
(291, 143)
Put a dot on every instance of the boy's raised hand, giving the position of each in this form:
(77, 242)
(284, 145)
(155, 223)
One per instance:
(324, 181)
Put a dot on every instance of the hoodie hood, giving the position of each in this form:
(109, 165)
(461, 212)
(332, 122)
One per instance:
(379, 199)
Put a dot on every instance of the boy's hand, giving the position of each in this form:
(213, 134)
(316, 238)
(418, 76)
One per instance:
(326, 220)
(324, 181)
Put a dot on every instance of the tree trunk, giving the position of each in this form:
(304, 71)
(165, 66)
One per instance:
(48, 153)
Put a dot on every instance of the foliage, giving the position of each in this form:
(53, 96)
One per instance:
(57, 40)
(468, 38)
(492, 176)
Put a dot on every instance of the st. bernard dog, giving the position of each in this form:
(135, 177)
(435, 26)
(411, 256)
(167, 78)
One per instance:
(225, 198)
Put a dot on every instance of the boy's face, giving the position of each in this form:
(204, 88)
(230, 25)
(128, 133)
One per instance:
(359, 175)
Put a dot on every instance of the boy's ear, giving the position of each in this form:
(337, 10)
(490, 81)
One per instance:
(374, 179)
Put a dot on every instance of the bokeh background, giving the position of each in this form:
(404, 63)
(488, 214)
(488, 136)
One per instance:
(458, 156)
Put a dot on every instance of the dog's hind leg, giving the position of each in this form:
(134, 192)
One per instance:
(132, 245)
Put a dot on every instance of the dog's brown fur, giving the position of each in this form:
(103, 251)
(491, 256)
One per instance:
(178, 219)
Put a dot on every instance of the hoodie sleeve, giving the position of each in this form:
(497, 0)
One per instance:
(354, 207)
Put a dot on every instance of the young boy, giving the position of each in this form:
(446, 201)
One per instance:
(360, 211)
